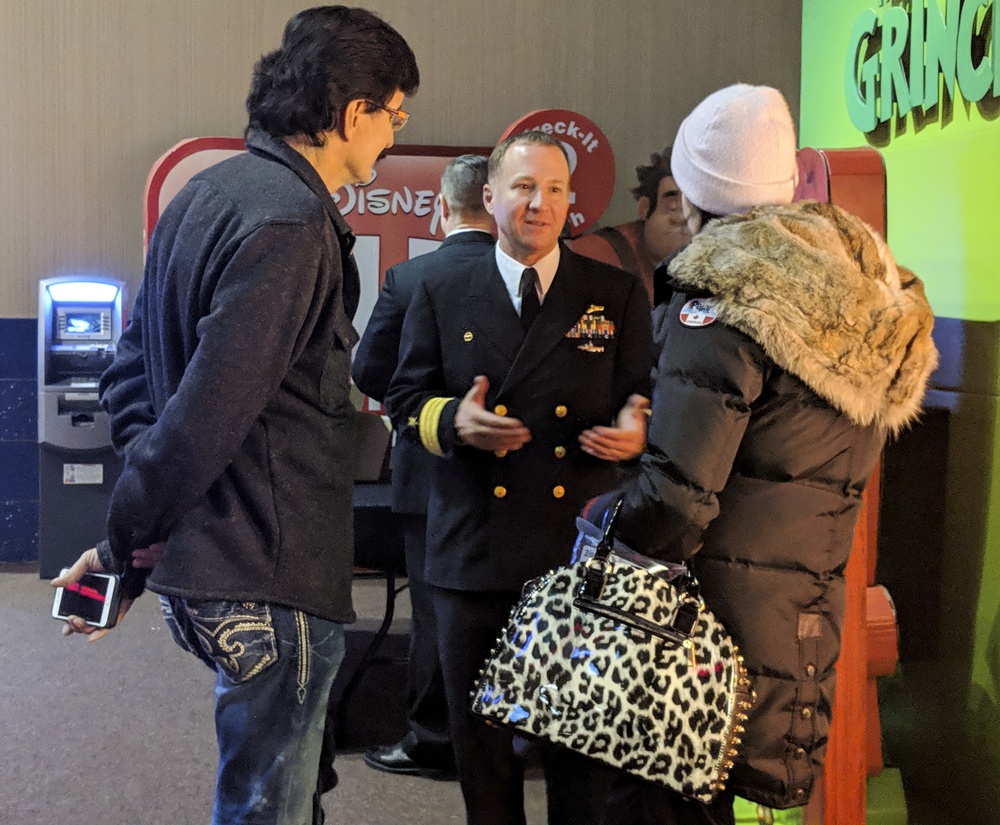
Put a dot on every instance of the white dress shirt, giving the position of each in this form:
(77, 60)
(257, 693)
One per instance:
(511, 271)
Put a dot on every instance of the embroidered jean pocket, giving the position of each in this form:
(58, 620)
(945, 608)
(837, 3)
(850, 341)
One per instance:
(175, 617)
(237, 636)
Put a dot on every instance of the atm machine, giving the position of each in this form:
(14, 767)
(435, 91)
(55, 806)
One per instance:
(79, 324)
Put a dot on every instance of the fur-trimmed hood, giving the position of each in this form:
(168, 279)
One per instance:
(822, 294)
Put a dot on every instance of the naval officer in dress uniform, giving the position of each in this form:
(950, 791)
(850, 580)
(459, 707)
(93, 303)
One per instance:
(527, 372)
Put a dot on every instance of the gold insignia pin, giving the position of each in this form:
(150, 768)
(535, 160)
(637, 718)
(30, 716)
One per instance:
(594, 308)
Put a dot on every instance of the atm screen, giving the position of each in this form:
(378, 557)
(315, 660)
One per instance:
(79, 322)
(83, 324)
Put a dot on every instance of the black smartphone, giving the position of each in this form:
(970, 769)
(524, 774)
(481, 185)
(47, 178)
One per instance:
(96, 599)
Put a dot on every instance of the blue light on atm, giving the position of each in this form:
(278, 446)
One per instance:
(83, 292)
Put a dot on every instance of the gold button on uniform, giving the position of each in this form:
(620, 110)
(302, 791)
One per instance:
(467, 337)
(561, 411)
(500, 409)
(560, 452)
(500, 453)
(558, 491)
(499, 491)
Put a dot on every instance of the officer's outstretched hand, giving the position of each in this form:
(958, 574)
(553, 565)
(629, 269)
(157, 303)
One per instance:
(623, 441)
(485, 430)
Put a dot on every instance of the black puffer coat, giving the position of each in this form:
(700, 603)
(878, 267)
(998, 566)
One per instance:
(792, 345)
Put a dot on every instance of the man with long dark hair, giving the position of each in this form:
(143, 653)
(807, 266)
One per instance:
(230, 398)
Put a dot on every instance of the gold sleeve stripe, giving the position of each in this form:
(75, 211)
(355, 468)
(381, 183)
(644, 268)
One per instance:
(430, 417)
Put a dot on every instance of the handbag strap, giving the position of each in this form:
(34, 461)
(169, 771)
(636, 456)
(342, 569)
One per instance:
(607, 542)
(598, 567)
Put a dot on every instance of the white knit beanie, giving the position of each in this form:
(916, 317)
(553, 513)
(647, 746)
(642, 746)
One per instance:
(736, 150)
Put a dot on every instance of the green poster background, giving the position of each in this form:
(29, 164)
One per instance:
(943, 167)
(940, 712)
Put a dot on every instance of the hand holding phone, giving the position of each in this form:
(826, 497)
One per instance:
(88, 563)
(95, 598)
(68, 605)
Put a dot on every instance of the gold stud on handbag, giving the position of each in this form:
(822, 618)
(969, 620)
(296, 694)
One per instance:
(611, 659)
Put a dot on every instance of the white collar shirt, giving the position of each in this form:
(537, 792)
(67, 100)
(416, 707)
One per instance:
(511, 271)
(460, 229)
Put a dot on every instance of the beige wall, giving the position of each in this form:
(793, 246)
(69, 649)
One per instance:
(95, 90)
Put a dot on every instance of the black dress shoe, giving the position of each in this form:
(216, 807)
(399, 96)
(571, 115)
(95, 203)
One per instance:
(393, 759)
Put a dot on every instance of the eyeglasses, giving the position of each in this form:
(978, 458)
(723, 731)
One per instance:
(397, 116)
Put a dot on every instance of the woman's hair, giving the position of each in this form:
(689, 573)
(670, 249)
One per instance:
(329, 56)
(705, 215)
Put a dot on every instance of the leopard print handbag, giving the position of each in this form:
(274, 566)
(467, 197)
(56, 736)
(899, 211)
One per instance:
(615, 662)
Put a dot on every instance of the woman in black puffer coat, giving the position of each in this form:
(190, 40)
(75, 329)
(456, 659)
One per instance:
(792, 345)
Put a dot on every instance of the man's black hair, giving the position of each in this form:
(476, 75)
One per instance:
(329, 56)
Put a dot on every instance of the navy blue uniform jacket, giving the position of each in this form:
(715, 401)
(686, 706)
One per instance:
(378, 353)
(495, 521)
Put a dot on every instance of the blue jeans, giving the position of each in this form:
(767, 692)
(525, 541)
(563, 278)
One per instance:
(274, 667)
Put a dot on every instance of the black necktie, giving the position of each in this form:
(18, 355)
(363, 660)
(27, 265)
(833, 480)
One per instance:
(529, 298)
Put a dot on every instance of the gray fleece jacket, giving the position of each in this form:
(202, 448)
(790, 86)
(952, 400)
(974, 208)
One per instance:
(230, 391)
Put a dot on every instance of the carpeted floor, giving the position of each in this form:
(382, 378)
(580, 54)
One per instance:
(120, 732)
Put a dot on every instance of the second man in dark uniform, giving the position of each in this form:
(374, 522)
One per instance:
(468, 227)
